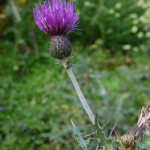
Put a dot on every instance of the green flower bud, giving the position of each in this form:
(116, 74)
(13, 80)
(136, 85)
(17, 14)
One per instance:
(60, 46)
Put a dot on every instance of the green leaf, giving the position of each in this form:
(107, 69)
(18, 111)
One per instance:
(102, 136)
(145, 143)
(83, 143)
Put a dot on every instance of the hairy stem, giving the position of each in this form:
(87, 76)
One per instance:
(85, 105)
(78, 90)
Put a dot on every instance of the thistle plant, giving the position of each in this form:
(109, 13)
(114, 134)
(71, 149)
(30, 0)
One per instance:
(56, 18)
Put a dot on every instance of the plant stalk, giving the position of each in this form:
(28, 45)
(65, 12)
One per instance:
(84, 103)
(78, 90)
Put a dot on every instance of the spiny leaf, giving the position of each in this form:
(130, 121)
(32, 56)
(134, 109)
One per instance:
(83, 143)
(100, 133)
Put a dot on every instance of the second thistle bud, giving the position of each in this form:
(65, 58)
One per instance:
(137, 131)
(60, 46)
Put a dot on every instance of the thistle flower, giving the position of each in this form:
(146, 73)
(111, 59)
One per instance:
(137, 131)
(56, 18)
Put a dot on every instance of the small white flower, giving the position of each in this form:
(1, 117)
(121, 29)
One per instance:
(146, 67)
(133, 16)
(102, 91)
(33, 101)
(147, 34)
(135, 21)
(140, 35)
(86, 3)
(135, 49)
(109, 31)
(118, 5)
(140, 3)
(134, 29)
(111, 11)
(117, 15)
(147, 12)
(143, 19)
(126, 47)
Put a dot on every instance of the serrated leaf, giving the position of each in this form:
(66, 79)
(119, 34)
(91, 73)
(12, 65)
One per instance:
(101, 135)
(83, 143)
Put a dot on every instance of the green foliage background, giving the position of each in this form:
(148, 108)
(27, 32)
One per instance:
(111, 63)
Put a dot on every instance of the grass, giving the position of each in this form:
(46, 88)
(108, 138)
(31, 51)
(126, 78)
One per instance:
(40, 100)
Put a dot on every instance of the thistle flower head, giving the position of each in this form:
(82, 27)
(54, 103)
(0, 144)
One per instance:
(137, 131)
(56, 17)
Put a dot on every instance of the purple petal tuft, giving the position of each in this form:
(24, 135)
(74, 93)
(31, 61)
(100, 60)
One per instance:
(56, 17)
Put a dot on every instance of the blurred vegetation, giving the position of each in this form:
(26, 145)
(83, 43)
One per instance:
(37, 100)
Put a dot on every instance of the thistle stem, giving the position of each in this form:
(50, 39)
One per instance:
(84, 103)
(78, 90)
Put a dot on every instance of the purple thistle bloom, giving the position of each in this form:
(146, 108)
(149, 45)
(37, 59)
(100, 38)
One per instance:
(57, 17)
